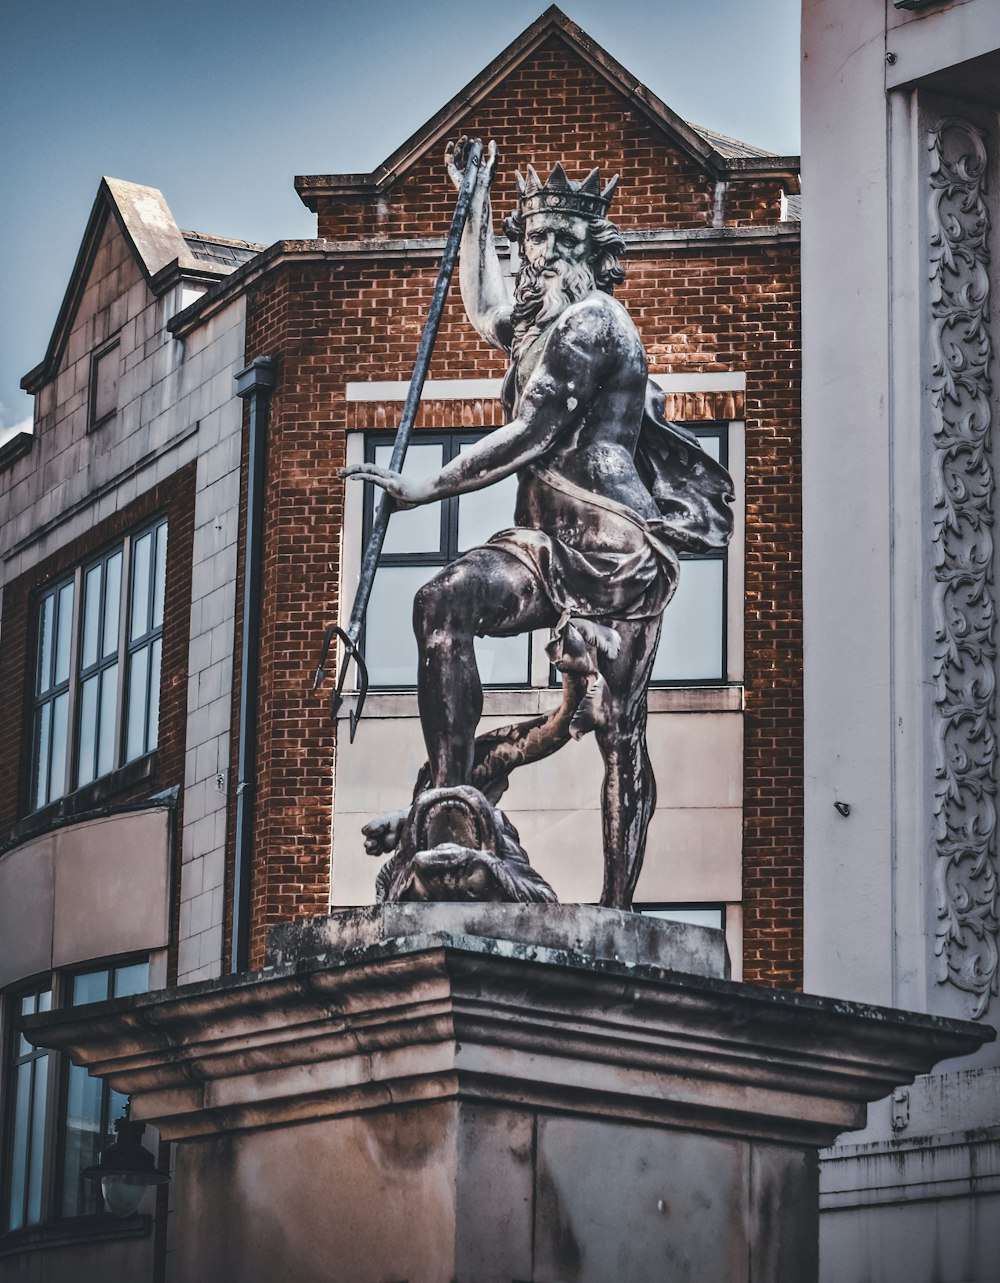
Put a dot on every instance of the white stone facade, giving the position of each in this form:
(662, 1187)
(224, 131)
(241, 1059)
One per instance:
(901, 329)
(176, 405)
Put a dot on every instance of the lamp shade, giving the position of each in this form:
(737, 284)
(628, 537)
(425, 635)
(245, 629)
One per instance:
(125, 1169)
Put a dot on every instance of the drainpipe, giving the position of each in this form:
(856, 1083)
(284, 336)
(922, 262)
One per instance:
(254, 384)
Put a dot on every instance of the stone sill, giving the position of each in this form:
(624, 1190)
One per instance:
(529, 701)
(72, 1233)
(84, 802)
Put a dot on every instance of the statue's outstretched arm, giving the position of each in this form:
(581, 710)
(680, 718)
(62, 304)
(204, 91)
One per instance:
(484, 291)
(563, 384)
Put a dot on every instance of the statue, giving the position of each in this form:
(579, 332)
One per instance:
(608, 492)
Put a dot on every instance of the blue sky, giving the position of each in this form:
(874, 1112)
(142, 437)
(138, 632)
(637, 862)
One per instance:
(219, 103)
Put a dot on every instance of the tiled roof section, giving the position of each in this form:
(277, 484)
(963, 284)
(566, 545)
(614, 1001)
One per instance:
(220, 250)
(731, 148)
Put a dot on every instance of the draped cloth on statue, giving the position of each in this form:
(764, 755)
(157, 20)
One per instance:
(632, 576)
(692, 491)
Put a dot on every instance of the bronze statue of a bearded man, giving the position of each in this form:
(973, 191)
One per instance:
(608, 493)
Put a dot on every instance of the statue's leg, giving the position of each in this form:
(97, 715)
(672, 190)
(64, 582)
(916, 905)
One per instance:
(486, 591)
(628, 797)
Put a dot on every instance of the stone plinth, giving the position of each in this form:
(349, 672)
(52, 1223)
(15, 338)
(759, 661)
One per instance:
(443, 1105)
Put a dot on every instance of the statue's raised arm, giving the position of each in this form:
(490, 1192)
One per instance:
(484, 291)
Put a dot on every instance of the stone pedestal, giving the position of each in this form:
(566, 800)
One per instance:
(421, 1093)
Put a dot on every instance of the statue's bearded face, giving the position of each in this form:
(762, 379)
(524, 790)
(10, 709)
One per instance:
(555, 270)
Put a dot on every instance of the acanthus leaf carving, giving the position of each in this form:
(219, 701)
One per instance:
(964, 601)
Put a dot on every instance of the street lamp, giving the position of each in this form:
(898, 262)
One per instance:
(125, 1168)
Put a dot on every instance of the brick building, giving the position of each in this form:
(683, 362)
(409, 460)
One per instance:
(145, 841)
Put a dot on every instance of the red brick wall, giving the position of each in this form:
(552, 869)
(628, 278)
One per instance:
(730, 306)
(175, 498)
(554, 107)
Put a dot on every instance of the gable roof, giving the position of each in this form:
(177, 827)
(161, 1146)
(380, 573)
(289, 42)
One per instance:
(719, 155)
(160, 249)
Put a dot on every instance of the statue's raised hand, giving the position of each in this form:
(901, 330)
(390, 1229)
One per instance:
(455, 159)
(405, 493)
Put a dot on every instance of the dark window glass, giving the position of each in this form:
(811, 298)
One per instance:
(419, 543)
(90, 1106)
(698, 915)
(82, 656)
(692, 645)
(28, 1082)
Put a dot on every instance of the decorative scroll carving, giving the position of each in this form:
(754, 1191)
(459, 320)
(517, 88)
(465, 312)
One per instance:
(965, 820)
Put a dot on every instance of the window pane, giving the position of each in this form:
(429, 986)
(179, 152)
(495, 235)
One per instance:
(417, 529)
(82, 1140)
(109, 712)
(696, 917)
(57, 771)
(503, 661)
(43, 743)
(390, 647)
(64, 633)
(112, 604)
(154, 696)
(45, 1000)
(131, 979)
(159, 574)
(483, 512)
(46, 619)
(38, 1111)
(92, 986)
(91, 615)
(85, 770)
(711, 445)
(117, 1101)
(138, 680)
(142, 551)
(19, 1144)
(691, 645)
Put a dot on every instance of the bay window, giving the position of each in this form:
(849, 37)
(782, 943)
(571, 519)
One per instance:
(97, 666)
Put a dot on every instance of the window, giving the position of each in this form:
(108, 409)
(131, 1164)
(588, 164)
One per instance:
(97, 666)
(692, 646)
(418, 543)
(698, 915)
(105, 366)
(28, 1093)
(89, 1106)
(59, 1123)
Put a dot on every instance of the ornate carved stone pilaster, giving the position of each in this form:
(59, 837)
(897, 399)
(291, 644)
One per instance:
(964, 602)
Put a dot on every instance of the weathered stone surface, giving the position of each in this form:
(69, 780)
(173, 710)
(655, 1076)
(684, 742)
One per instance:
(452, 1105)
(608, 934)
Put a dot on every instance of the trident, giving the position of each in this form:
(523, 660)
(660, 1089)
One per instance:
(373, 551)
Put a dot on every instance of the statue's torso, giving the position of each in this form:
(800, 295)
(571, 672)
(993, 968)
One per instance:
(596, 450)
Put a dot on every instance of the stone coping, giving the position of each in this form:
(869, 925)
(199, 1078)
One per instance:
(411, 1020)
(590, 931)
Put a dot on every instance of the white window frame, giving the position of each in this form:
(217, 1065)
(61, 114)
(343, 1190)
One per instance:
(72, 679)
(661, 692)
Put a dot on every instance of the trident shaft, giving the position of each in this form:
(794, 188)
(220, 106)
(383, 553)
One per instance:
(369, 564)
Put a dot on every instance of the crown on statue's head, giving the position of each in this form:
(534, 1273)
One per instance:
(561, 195)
